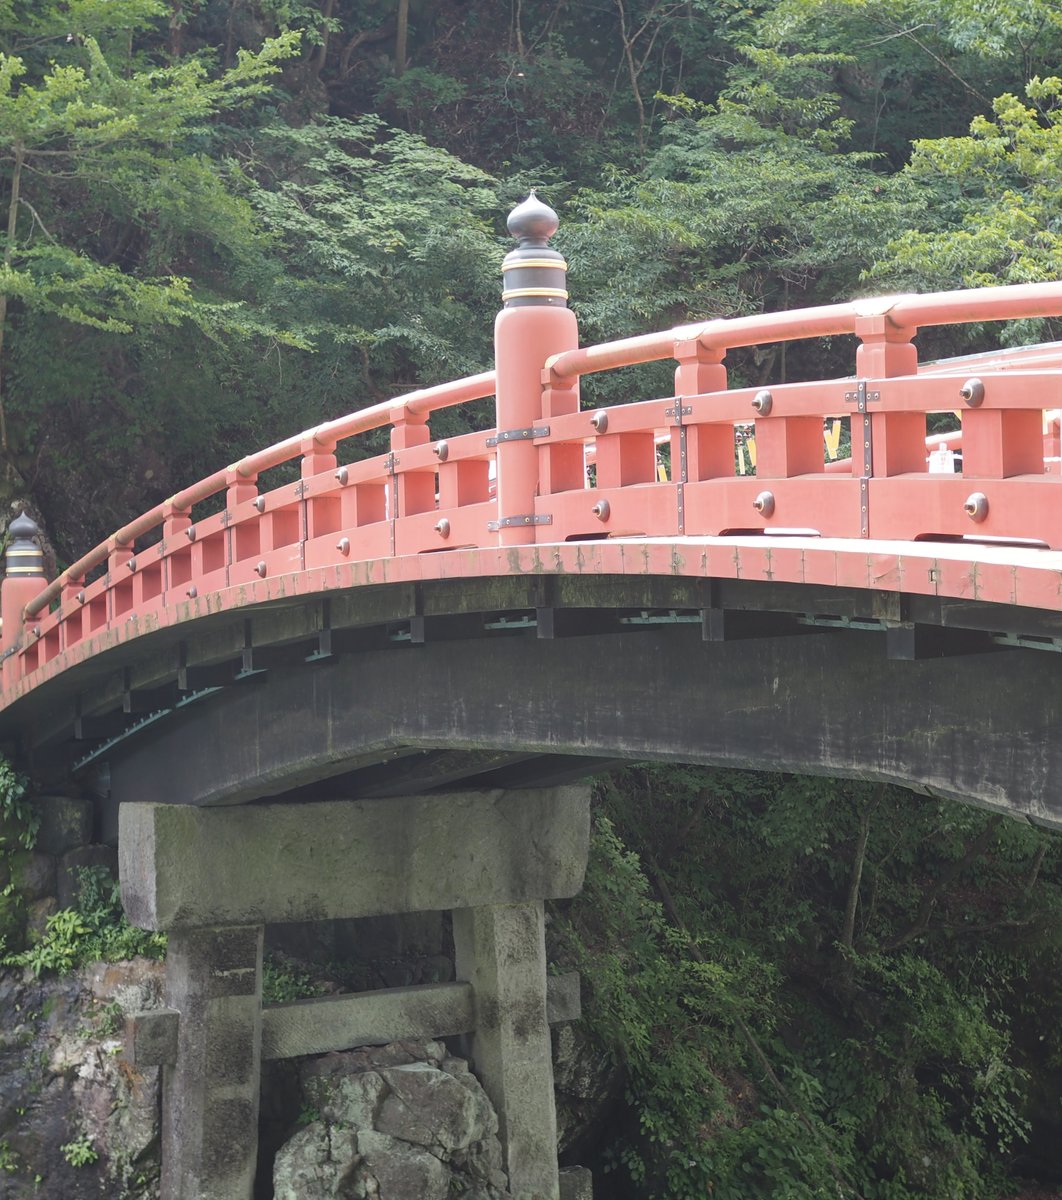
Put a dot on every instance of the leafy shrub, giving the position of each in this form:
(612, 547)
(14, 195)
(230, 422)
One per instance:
(812, 985)
(95, 931)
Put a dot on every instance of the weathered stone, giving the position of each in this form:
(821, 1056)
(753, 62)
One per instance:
(65, 823)
(37, 914)
(61, 1082)
(576, 1183)
(400, 1170)
(187, 867)
(210, 1105)
(348, 1099)
(316, 1164)
(342, 1022)
(428, 1127)
(34, 875)
(588, 1085)
(501, 951)
(433, 1109)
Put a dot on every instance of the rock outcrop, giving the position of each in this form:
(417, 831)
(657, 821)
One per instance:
(391, 1122)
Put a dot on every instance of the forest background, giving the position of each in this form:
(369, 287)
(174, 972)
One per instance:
(226, 220)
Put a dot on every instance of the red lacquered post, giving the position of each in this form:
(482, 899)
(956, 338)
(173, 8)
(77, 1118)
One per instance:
(534, 324)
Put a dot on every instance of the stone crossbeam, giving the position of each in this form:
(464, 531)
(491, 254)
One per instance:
(301, 1027)
(185, 867)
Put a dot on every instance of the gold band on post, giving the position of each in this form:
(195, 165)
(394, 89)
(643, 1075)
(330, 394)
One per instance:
(558, 293)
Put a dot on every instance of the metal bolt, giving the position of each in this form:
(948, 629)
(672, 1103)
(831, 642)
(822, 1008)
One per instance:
(259, 503)
(602, 510)
(342, 474)
(441, 451)
(343, 545)
(764, 504)
(189, 533)
(131, 564)
(261, 569)
(600, 421)
(442, 527)
(763, 402)
(36, 631)
(192, 592)
(976, 506)
(81, 597)
(973, 392)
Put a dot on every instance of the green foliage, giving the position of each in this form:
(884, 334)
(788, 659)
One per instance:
(283, 982)
(80, 1152)
(95, 931)
(769, 1049)
(19, 817)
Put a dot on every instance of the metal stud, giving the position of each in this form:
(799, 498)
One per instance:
(192, 592)
(764, 504)
(189, 533)
(600, 421)
(259, 503)
(342, 475)
(763, 402)
(976, 506)
(81, 597)
(442, 527)
(36, 631)
(261, 568)
(343, 545)
(131, 564)
(973, 392)
(602, 510)
(441, 451)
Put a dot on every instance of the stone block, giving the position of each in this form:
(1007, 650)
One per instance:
(34, 875)
(576, 1183)
(563, 998)
(385, 1015)
(186, 867)
(37, 914)
(65, 823)
(151, 1038)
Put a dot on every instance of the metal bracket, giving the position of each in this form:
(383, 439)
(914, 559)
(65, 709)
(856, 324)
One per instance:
(513, 522)
(519, 435)
(676, 413)
(862, 398)
(390, 464)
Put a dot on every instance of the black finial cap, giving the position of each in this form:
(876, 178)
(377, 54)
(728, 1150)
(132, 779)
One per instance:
(533, 223)
(24, 527)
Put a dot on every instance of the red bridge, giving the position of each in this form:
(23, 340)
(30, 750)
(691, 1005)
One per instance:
(519, 607)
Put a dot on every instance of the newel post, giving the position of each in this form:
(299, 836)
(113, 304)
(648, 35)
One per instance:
(23, 577)
(534, 323)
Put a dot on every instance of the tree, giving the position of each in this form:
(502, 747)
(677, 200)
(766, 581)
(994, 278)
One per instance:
(106, 191)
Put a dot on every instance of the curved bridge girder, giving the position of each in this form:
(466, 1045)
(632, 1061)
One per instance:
(980, 727)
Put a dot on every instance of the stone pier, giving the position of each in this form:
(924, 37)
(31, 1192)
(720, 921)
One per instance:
(212, 877)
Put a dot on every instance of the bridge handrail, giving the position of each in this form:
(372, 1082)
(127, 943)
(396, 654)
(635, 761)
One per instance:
(1007, 302)
(908, 312)
(382, 491)
(422, 402)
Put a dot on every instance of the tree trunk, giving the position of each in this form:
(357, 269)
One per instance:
(401, 34)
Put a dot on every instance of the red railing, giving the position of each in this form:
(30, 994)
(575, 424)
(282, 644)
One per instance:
(426, 496)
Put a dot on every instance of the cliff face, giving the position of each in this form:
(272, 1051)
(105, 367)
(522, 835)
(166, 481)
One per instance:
(407, 1121)
(76, 1123)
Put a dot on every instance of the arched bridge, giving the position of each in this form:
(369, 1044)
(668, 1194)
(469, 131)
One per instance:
(513, 608)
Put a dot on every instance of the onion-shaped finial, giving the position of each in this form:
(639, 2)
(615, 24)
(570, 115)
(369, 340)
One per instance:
(23, 527)
(532, 223)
